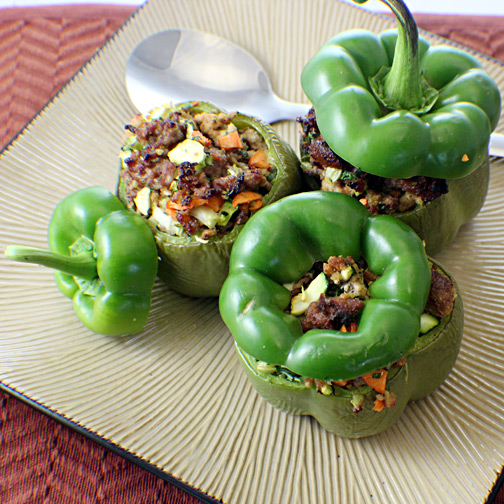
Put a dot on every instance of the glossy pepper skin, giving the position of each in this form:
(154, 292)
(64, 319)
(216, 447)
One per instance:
(106, 259)
(278, 246)
(394, 106)
(197, 268)
(281, 243)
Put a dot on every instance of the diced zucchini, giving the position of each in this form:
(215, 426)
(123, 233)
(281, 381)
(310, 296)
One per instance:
(347, 273)
(187, 151)
(165, 222)
(300, 303)
(264, 367)
(226, 213)
(333, 174)
(427, 322)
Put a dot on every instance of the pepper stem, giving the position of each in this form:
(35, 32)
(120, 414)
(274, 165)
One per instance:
(402, 86)
(82, 265)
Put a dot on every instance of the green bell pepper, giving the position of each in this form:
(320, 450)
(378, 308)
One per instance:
(198, 267)
(278, 246)
(436, 222)
(393, 106)
(106, 259)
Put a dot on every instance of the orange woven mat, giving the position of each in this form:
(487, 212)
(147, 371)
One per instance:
(41, 460)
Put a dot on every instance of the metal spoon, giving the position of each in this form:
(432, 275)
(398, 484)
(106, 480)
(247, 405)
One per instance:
(180, 64)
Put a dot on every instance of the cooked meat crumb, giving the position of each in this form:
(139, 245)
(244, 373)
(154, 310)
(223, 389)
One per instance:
(331, 313)
(442, 294)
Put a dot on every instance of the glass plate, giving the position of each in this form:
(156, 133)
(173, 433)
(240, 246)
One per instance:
(174, 397)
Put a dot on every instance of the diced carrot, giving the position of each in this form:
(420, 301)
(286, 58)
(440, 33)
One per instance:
(351, 328)
(248, 197)
(177, 216)
(256, 204)
(259, 160)
(215, 202)
(363, 201)
(376, 382)
(199, 137)
(340, 383)
(194, 202)
(173, 206)
(230, 141)
(197, 202)
(379, 405)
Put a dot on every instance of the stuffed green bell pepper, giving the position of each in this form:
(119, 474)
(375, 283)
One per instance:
(196, 174)
(105, 257)
(339, 314)
(401, 125)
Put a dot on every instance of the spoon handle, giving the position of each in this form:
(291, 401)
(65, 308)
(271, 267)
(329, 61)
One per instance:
(283, 110)
(496, 144)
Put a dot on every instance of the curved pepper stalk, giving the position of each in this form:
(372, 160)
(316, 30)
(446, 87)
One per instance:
(393, 106)
(106, 259)
(403, 86)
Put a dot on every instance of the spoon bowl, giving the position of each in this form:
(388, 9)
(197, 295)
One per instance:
(179, 65)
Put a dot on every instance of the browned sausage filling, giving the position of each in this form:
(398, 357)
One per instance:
(378, 194)
(194, 174)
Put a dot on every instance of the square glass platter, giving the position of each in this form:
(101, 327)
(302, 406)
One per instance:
(174, 397)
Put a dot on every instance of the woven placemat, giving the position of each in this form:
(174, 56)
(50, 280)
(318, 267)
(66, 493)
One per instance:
(42, 461)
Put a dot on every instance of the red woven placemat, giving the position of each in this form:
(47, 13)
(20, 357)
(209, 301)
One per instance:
(41, 460)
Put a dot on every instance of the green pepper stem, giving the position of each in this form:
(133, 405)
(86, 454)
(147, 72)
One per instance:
(403, 87)
(402, 84)
(82, 265)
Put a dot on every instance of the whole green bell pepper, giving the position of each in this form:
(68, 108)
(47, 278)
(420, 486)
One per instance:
(196, 267)
(106, 259)
(393, 106)
(278, 246)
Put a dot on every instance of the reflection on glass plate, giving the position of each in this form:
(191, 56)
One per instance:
(175, 395)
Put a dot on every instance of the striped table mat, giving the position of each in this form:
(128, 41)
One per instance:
(42, 461)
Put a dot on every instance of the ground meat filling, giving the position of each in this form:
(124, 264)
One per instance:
(348, 281)
(380, 195)
(332, 313)
(338, 307)
(183, 171)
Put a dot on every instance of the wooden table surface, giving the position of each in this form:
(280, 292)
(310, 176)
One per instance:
(41, 460)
